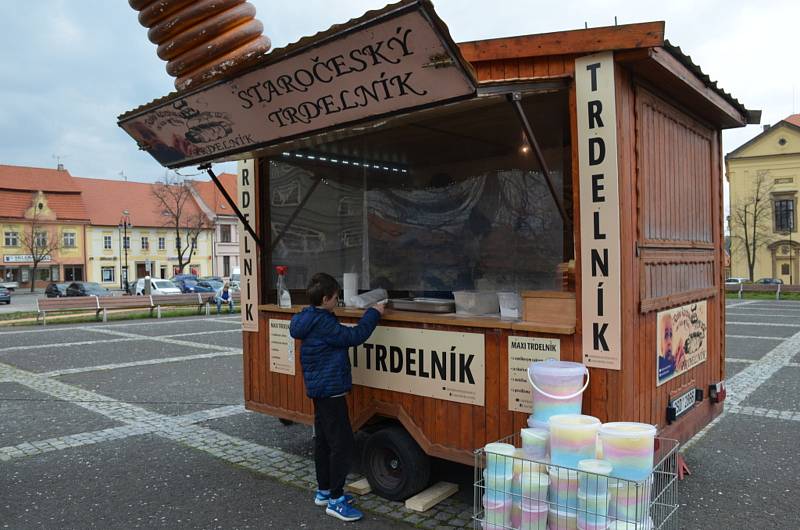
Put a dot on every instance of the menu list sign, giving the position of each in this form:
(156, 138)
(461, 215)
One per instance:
(400, 62)
(522, 351)
(281, 347)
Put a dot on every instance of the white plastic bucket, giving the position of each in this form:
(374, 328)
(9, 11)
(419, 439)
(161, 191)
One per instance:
(573, 437)
(534, 443)
(593, 477)
(557, 388)
(563, 488)
(629, 447)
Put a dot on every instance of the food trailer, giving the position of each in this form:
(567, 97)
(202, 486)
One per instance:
(580, 170)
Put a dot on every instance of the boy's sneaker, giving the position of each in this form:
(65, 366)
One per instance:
(340, 509)
(321, 499)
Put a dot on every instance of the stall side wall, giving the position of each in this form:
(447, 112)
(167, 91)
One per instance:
(671, 192)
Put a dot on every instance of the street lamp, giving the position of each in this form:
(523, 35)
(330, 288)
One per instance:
(124, 224)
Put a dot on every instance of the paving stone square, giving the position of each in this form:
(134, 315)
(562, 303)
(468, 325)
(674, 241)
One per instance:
(731, 369)
(53, 336)
(49, 358)
(226, 338)
(173, 326)
(27, 415)
(780, 392)
(749, 348)
(760, 331)
(743, 476)
(170, 388)
(266, 430)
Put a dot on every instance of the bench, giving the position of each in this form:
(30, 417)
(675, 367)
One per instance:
(210, 299)
(188, 299)
(76, 303)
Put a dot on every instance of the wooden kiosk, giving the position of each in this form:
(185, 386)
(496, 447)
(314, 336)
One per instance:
(581, 169)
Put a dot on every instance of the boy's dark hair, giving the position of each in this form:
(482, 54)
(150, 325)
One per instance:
(322, 285)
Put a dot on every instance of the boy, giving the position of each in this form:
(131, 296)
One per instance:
(326, 371)
(224, 297)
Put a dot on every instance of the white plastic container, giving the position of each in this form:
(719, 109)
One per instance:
(629, 447)
(500, 458)
(510, 304)
(476, 302)
(573, 437)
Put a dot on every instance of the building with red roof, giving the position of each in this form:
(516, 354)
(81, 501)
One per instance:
(226, 234)
(43, 219)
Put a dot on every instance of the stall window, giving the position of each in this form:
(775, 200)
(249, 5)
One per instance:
(440, 200)
(107, 242)
(12, 239)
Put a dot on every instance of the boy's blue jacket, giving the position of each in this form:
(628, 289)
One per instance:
(323, 355)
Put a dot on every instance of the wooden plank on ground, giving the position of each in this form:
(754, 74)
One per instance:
(359, 487)
(432, 496)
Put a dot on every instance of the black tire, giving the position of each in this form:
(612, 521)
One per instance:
(395, 465)
(285, 422)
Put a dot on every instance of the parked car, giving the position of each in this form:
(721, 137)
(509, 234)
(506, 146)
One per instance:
(5, 295)
(56, 290)
(205, 286)
(11, 286)
(87, 289)
(156, 287)
(234, 279)
(214, 278)
(737, 280)
(769, 281)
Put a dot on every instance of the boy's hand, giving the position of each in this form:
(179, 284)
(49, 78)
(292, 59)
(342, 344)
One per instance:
(381, 308)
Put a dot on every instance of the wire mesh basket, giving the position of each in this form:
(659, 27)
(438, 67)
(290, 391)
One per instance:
(514, 492)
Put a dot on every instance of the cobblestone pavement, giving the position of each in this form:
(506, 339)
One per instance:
(141, 425)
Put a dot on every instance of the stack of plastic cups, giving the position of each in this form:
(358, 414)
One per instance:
(563, 488)
(562, 519)
(593, 494)
(535, 442)
(530, 488)
(497, 479)
(629, 447)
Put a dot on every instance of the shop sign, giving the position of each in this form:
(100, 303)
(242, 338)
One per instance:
(682, 341)
(25, 258)
(522, 352)
(439, 364)
(248, 280)
(396, 62)
(599, 211)
(281, 347)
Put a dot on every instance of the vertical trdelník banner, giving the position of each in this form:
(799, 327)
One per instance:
(248, 248)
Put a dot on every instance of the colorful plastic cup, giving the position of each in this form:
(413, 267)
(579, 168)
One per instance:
(533, 488)
(534, 443)
(562, 519)
(629, 501)
(563, 488)
(500, 458)
(533, 517)
(593, 477)
(497, 512)
(573, 437)
(592, 512)
(629, 447)
(557, 388)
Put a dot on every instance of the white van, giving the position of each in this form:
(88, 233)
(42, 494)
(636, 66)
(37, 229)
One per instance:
(234, 279)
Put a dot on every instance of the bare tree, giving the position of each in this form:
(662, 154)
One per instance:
(175, 202)
(751, 220)
(38, 239)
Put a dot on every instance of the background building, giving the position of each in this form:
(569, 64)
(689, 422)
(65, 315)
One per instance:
(225, 234)
(764, 177)
(151, 242)
(43, 208)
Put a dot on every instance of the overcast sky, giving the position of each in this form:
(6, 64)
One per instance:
(70, 67)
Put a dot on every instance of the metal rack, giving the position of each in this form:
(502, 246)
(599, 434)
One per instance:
(648, 505)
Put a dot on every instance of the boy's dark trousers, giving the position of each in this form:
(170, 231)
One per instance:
(333, 445)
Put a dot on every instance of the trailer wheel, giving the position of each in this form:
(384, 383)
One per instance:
(396, 467)
(285, 421)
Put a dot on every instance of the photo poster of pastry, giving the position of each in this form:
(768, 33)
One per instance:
(682, 340)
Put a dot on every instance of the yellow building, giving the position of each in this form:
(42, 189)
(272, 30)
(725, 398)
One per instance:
(43, 219)
(119, 210)
(764, 177)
